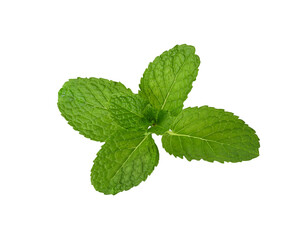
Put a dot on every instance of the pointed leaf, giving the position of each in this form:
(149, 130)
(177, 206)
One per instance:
(168, 80)
(211, 134)
(83, 102)
(124, 161)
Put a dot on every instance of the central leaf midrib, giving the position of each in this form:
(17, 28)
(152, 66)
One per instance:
(190, 136)
(206, 140)
(117, 171)
(172, 85)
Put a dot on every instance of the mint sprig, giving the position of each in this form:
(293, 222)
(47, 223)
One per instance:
(105, 110)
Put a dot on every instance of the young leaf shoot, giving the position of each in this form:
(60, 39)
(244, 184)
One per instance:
(107, 111)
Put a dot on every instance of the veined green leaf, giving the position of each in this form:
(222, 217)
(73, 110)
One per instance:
(127, 111)
(211, 134)
(150, 113)
(83, 102)
(124, 161)
(163, 123)
(168, 80)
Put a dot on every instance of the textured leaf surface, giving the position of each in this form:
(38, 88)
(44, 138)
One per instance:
(168, 80)
(127, 111)
(150, 113)
(211, 134)
(163, 123)
(124, 161)
(83, 102)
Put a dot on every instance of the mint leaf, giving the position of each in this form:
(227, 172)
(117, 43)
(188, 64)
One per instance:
(211, 134)
(150, 113)
(124, 161)
(162, 124)
(127, 111)
(83, 102)
(168, 80)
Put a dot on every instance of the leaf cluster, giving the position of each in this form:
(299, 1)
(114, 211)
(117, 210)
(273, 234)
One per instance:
(107, 111)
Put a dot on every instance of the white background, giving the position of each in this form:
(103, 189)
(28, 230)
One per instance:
(251, 56)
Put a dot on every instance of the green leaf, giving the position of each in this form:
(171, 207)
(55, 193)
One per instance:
(211, 134)
(127, 111)
(83, 102)
(162, 124)
(168, 80)
(124, 161)
(150, 113)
